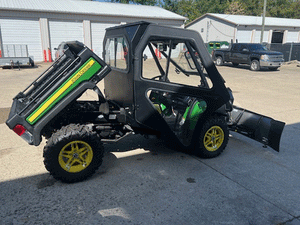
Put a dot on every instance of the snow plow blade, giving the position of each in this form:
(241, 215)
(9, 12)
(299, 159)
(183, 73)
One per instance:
(257, 127)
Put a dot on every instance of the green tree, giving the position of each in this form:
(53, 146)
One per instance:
(235, 8)
(253, 7)
(275, 8)
(212, 6)
(193, 9)
(139, 2)
(186, 8)
(283, 8)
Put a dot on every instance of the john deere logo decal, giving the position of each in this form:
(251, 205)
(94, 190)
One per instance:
(84, 73)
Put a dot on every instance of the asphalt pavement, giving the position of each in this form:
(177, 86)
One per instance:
(142, 181)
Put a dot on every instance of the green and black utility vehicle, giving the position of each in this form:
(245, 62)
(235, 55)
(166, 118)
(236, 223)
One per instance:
(158, 81)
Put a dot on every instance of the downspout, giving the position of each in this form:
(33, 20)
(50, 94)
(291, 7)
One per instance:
(263, 22)
(235, 33)
(1, 45)
(207, 30)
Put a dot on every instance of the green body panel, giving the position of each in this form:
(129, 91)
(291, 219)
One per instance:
(193, 114)
(212, 45)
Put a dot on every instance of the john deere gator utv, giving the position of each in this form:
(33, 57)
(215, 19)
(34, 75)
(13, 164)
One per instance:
(157, 81)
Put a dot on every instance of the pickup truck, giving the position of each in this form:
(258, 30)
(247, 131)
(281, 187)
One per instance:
(255, 55)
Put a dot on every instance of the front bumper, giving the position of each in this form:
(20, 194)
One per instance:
(270, 64)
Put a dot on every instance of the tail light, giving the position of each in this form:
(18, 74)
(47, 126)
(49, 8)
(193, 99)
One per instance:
(23, 133)
(19, 130)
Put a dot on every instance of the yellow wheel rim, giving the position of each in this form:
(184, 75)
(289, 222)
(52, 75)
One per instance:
(75, 156)
(213, 138)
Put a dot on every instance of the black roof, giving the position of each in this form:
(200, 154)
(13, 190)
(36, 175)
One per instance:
(129, 25)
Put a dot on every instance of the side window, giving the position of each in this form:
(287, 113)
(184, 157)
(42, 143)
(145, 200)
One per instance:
(110, 52)
(235, 47)
(171, 61)
(244, 48)
(116, 53)
(150, 69)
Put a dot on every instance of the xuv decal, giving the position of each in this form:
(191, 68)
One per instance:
(84, 73)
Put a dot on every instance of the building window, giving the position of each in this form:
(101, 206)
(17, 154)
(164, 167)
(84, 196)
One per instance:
(277, 37)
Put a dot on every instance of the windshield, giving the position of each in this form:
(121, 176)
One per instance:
(258, 47)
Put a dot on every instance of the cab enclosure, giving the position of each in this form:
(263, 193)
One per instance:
(167, 83)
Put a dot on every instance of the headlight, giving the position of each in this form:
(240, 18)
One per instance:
(264, 57)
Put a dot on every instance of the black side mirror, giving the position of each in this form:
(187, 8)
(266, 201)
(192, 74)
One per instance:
(145, 57)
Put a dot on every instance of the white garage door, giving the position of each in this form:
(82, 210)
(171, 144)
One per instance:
(244, 36)
(292, 36)
(64, 31)
(257, 36)
(22, 32)
(98, 32)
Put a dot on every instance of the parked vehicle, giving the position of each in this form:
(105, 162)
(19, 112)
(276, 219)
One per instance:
(16, 62)
(167, 95)
(60, 50)
(15, 56)
(212, 45)
(255, 55)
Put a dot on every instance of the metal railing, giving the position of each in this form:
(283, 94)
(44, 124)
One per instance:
(15, 51)
(291, 51)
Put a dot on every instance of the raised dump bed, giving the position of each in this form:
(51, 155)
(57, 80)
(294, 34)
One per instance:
(73, 73)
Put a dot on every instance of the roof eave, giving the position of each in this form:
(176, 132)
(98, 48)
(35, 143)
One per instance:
(93, 14)
(209, 14)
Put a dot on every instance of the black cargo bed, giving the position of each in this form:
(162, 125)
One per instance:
(73, 73)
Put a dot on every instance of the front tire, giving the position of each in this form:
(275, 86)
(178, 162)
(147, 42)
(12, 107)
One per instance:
(73, 153)
(255, 66)
(213, 138)
(219, 61)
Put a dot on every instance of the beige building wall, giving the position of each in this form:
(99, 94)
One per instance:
(212, 29)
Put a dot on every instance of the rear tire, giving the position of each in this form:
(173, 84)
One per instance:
(219, 61)
(73, 153)
(255, 66)
(213, 138)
